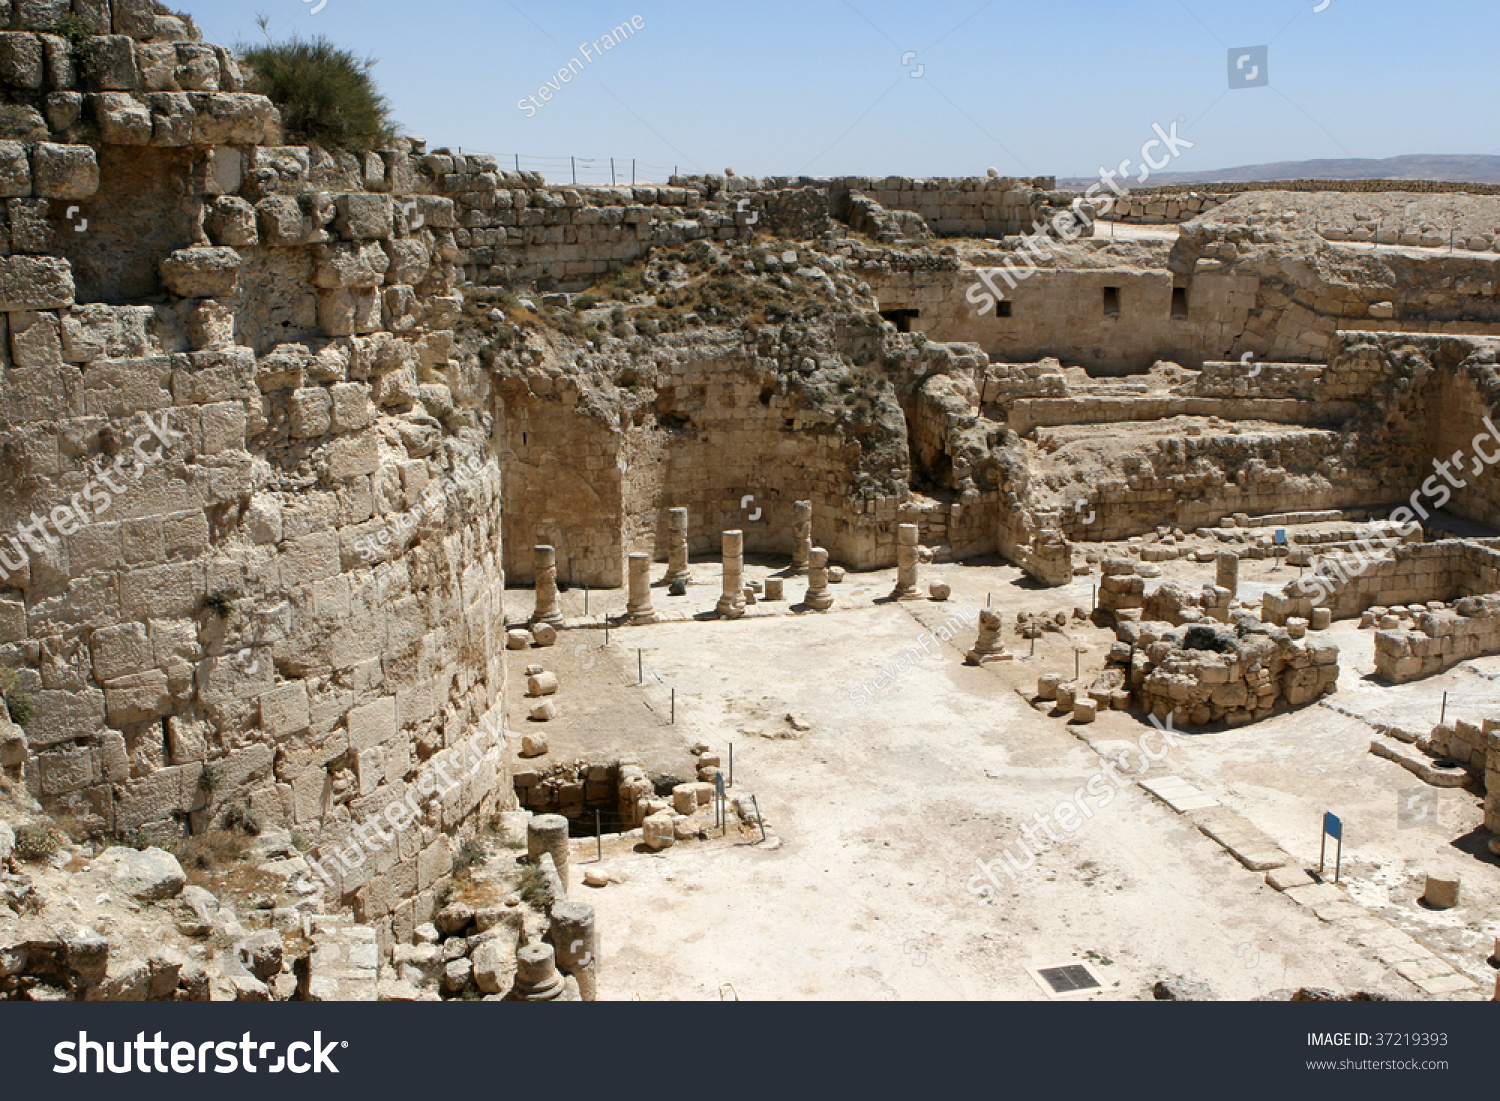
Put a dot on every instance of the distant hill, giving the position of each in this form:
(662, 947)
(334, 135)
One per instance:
(1460, 169)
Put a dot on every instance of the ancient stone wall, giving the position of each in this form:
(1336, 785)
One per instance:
(1440, 640)
(256, 554)
(1402, 575)
(1202, 674)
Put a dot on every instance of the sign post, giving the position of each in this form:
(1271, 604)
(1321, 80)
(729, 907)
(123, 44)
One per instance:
(1333, 828)
(1280, 543)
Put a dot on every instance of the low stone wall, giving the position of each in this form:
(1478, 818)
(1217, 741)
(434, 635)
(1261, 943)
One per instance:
(1440, 640)
(1205, 674)
(1414, 573)
(1157, 210)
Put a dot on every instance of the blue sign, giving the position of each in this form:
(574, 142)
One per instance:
(1281, 537)
(719, 784)
(1333, 827)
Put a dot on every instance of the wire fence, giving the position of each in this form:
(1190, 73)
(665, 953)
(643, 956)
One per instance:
(585, 171)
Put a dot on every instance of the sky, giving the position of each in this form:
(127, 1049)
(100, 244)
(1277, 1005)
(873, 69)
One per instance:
(896, 87)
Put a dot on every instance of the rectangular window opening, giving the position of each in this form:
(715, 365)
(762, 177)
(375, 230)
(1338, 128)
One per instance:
(1111, 301)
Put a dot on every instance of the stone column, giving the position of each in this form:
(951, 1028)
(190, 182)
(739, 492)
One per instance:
(1229, 572)
(818, 596)
(577, 946)
(548, 833)
(907, 536)
(801, 536)
(732, 603)
(638, 609)
(990, 646)
(548, 610)
(537, 977)
(677, 546)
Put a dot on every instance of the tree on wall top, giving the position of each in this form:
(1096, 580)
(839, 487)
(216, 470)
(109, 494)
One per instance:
(326, 94)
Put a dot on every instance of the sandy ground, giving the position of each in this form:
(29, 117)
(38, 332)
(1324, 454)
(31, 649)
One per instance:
(880, 812)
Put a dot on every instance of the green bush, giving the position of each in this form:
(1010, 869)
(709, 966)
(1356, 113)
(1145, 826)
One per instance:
(20, 706)
(326, 94)
(36, 841)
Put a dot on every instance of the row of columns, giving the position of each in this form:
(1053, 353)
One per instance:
(806, 559)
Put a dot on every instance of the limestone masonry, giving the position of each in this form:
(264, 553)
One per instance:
(279, 425)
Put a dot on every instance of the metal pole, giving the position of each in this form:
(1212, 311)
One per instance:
(989, 600)
(1323, 848)
(1077, 664)
(758, 818)
(611, 172)
(606, 636)
(632, 171)
(518, 164)
(1444, 717)
(1338, 866)
(574, 162)
(1033, 643)
(599, 832)
(674, 707)
(585, 598)
(640, 667)
(731, 764)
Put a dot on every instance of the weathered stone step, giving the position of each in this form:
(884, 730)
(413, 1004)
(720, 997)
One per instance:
(1418, 763)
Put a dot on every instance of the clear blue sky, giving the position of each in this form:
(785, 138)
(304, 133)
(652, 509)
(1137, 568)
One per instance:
(772, 87)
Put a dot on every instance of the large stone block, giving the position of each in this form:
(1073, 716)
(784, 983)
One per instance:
(35, 283)
(310, 413)
(202, 272)
(231, 221)
(363, 217)
(138, 698)
(373, 724)
(64, 171)
(110, 62)
(122, 119)
(21, 58)
(15, 170)
(121, 651)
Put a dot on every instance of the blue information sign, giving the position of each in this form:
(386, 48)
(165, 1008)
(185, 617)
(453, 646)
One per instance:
(1333, 827)
(1281, 537)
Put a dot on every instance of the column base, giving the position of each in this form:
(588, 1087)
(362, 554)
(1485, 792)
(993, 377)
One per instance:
(819, 603)
(905, 594)
(640, 619)
(974, 657)
(555, 619)
(730, 607)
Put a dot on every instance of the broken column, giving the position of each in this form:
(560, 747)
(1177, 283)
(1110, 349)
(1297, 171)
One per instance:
(1442, 891)
(990, 646)
(573, 938)
(732, 603)
(548, 609)
(907, 536)
(638, 609)
(801, 536)
(1229, 572)
(818, 597)
(548, 833)
(537, 977)
(677, 546)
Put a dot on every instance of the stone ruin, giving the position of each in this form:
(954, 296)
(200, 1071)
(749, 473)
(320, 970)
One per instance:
(291, 384)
